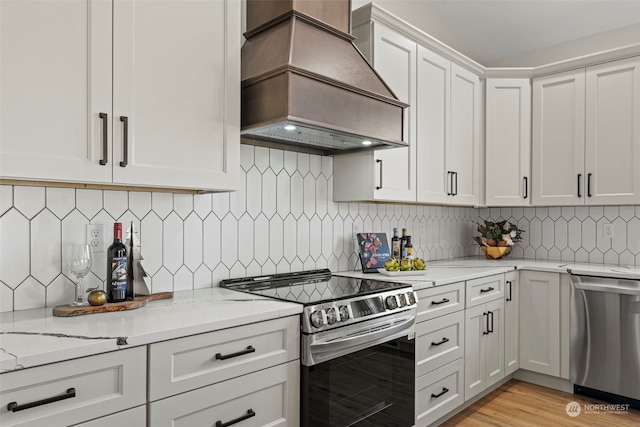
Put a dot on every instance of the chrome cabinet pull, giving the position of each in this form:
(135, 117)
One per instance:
(379, 161)
(442, 301)
(220, 356)
(14, 407)
(105, 135)
(444, 340)
(444, 390)
(125, 148)
(250, 413)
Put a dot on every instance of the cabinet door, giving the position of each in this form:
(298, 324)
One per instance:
(558, 139)
(394, 58)
(511, 321)
(55, 80)
(540, 322)
(494, 343)
(612, 140)
(433, 125)
(475, 330)
(508, 142)
(176, 80)
(463, 149)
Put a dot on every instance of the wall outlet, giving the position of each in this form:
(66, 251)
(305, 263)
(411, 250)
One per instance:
(95, 237)
(609, 230)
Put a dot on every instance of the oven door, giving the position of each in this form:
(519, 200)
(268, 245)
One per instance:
(373, 385)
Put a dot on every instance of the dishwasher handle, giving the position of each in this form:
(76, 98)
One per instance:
(606, 284)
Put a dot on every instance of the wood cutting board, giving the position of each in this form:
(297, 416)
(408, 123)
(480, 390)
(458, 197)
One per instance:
(139, 301)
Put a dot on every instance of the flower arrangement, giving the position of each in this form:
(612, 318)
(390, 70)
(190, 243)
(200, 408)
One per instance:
(497, 238)
(501, 233)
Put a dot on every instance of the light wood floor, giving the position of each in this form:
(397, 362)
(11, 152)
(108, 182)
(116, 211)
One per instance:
(517, 403)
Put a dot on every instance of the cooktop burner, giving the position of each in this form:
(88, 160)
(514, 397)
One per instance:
(310, 287)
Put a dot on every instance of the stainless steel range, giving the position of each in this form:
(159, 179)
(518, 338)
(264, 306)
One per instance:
(357, 346)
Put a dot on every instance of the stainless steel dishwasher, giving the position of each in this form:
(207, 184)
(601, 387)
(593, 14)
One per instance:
(605, 338)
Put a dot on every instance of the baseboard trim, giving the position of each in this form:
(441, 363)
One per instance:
(543, 380)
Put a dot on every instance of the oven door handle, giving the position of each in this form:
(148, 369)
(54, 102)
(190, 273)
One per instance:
(373, 337)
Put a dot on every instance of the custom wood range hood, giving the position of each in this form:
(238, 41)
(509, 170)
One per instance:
(305, 83)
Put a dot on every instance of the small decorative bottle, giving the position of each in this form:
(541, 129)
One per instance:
(395, 244)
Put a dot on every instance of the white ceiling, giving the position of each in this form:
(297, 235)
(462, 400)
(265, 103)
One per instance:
(497, 29)
(492, 32)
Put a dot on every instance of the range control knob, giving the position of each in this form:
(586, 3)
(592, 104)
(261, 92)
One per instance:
(391, 302)
(331, 315)
(411, 298)
(316, 319)
(402, 299)
(344, 313)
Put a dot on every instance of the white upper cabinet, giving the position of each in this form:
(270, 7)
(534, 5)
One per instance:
(387, 174)
(433, 124)
(508, 142)
(55, 80)
(441, 164)
(462, 151)
(167, 115)
(612, 144)
(586, 136)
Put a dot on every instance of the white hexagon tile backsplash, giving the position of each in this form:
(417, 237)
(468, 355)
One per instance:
(282, 219)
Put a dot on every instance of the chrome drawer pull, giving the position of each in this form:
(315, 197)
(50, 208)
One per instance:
(220, 356)
(444, 340)
(440, 302)
(444, 390)
(14, 407)
(489, 289)
(250, 413)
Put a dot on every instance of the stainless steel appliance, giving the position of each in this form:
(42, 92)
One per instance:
(605, 338)
(357, 346)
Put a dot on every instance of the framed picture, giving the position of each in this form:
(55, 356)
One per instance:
(374, 251)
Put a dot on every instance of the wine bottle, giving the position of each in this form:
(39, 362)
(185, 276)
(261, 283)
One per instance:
(403, 242)
(395, 244)
(408, 249)
(130, 265)
(117, 267)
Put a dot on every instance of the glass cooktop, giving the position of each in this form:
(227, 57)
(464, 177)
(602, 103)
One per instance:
(309, 287)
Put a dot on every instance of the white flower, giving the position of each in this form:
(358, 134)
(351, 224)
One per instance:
(513, 234)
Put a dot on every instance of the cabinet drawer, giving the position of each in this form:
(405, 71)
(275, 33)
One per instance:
(441, 300)
(439, 392)
(184, 364)
(272, 395)
(439, 341)
(88, 387)
(484, 289)
(129, 418)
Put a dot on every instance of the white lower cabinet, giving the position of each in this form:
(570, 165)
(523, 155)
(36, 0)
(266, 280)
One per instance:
(439, 392)
(267, 397)
(136, 417)
(75, 391)
(439, 352)
(248, 373)
(540, 322)
(484, 347)
(511, 322)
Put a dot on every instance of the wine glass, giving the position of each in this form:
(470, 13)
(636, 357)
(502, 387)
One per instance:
(79, 262)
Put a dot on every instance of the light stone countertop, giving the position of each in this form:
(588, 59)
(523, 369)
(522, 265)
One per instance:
(36, 337)
(440, 273)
